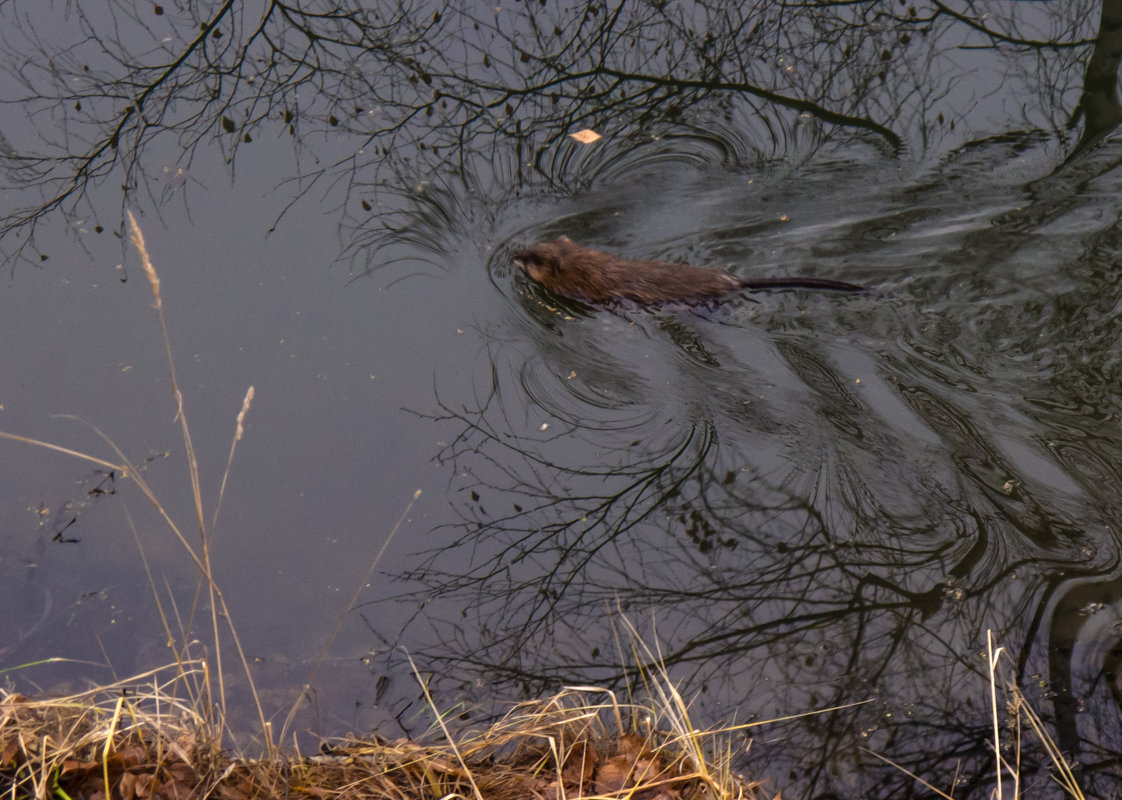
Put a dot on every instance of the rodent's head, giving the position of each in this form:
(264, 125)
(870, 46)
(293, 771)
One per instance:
(542, 262)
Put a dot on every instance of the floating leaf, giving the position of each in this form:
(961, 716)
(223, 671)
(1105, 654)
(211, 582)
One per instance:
(587, 136)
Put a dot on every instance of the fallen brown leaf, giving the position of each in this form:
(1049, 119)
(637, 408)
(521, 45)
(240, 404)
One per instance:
(587, 136)
(580, 764)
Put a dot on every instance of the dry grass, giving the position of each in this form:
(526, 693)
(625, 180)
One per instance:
(139, 739)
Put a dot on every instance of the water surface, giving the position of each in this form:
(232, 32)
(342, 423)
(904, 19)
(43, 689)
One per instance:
(805, 499)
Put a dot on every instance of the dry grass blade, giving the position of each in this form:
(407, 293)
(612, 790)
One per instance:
(909, 773)
(137, 237)
(1019, 705)
(992, 658)
(239, 432)
(444, 727)
(339, 623)
(14, 437)
(1016, 706)
(217, 601)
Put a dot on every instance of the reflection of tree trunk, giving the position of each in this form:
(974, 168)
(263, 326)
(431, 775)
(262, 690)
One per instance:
(1099, 104)
(1067, 620)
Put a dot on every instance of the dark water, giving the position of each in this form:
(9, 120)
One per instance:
(806, 500)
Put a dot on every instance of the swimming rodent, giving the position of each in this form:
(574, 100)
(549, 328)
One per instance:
(583, 274)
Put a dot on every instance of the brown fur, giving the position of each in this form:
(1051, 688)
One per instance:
(581, 273)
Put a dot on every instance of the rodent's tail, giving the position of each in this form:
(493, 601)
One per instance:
(821, 284)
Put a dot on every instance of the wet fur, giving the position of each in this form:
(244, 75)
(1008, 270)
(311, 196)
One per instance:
(581, 273)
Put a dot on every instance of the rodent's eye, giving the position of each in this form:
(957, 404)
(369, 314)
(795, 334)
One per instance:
(538, 265)
(541, 265)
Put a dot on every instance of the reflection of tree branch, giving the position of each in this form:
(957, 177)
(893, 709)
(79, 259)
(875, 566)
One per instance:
(425, 98)
(605, 520)
(835, 590)
(90, 166)
(705, 86)
(972, 22)
(210, 81)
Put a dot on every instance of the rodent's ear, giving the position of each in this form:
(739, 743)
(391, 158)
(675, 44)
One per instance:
(564, 239)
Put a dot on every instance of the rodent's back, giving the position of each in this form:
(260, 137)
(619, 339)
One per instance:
(581, 273)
